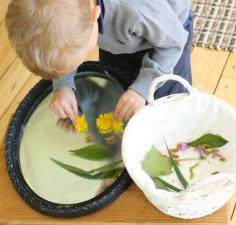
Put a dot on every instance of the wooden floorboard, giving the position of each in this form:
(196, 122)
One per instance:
(207, 68)
(11, 83)
(226, 89)
(230, 68)
(5, 119)
(3, 9)
(7, 54)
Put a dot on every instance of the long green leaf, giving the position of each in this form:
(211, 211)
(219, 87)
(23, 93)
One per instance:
(215, 141)
(108, 174)
(107, 167)
(160, 183)
(176, 168)
(95, 152)
(85, 174)
(155, 164)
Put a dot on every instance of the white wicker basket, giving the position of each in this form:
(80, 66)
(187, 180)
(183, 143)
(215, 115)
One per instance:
(182, 118)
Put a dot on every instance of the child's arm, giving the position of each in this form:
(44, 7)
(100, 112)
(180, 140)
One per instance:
(63, 104)
(160, 26)
(165, 32)
(67, 80)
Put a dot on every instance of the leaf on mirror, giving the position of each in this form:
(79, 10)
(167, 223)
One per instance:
(214, 141)
(160, 183)
(114, 173)
(107, 167)
(87, 174)
(95, 152)
(155, 164)
(176, 168)
(73, 169)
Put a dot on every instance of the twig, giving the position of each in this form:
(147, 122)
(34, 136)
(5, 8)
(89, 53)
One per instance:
(188, 159)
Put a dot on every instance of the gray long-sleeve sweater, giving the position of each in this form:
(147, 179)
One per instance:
(135, 25)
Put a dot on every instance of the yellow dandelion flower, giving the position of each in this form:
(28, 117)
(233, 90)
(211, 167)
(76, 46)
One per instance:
(104, 123)
(81, 124)
(118, 126)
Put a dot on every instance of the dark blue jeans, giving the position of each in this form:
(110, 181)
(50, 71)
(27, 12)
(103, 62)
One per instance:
(130, 65)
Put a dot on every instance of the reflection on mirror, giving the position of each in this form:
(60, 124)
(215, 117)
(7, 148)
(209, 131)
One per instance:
(47, 142)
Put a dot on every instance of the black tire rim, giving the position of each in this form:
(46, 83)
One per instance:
(12, 156)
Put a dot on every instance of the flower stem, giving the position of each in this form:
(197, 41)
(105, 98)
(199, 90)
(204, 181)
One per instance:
(188, 159)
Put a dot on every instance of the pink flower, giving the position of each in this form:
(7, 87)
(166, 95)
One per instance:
(183, 147)
(200, 151)
(215, 153)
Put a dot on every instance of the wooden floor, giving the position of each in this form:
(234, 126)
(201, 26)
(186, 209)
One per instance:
(213, 72)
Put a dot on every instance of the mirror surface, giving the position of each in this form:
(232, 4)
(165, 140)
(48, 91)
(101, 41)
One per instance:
(42, 139)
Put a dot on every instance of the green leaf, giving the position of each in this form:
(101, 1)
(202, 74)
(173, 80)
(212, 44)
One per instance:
(107, 167)
(176, 168)
(86, 174)
(160, 183)
(155, 164)
(191, 170)
(208, 152)
(108, 174)
(95, 152)
(215, 141)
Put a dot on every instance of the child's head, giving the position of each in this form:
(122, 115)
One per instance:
(52, 37)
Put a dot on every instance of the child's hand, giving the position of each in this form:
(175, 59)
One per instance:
(129, 103)
(64, 105)
(66, 125)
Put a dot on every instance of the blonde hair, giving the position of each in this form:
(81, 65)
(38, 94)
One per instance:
(41, 31)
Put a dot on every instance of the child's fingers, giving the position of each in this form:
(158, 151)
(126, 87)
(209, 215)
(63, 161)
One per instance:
(118, 109)
(70, 113)
(65, 124)
(68, 125)
(57, 111)
(62, 113)
(121, 111)
(54, 114)
(58, 114)
(122, 114)
(54, 111)
(74, 107)
(129, 113)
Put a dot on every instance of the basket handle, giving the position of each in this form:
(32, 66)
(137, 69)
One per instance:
(158, 82)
